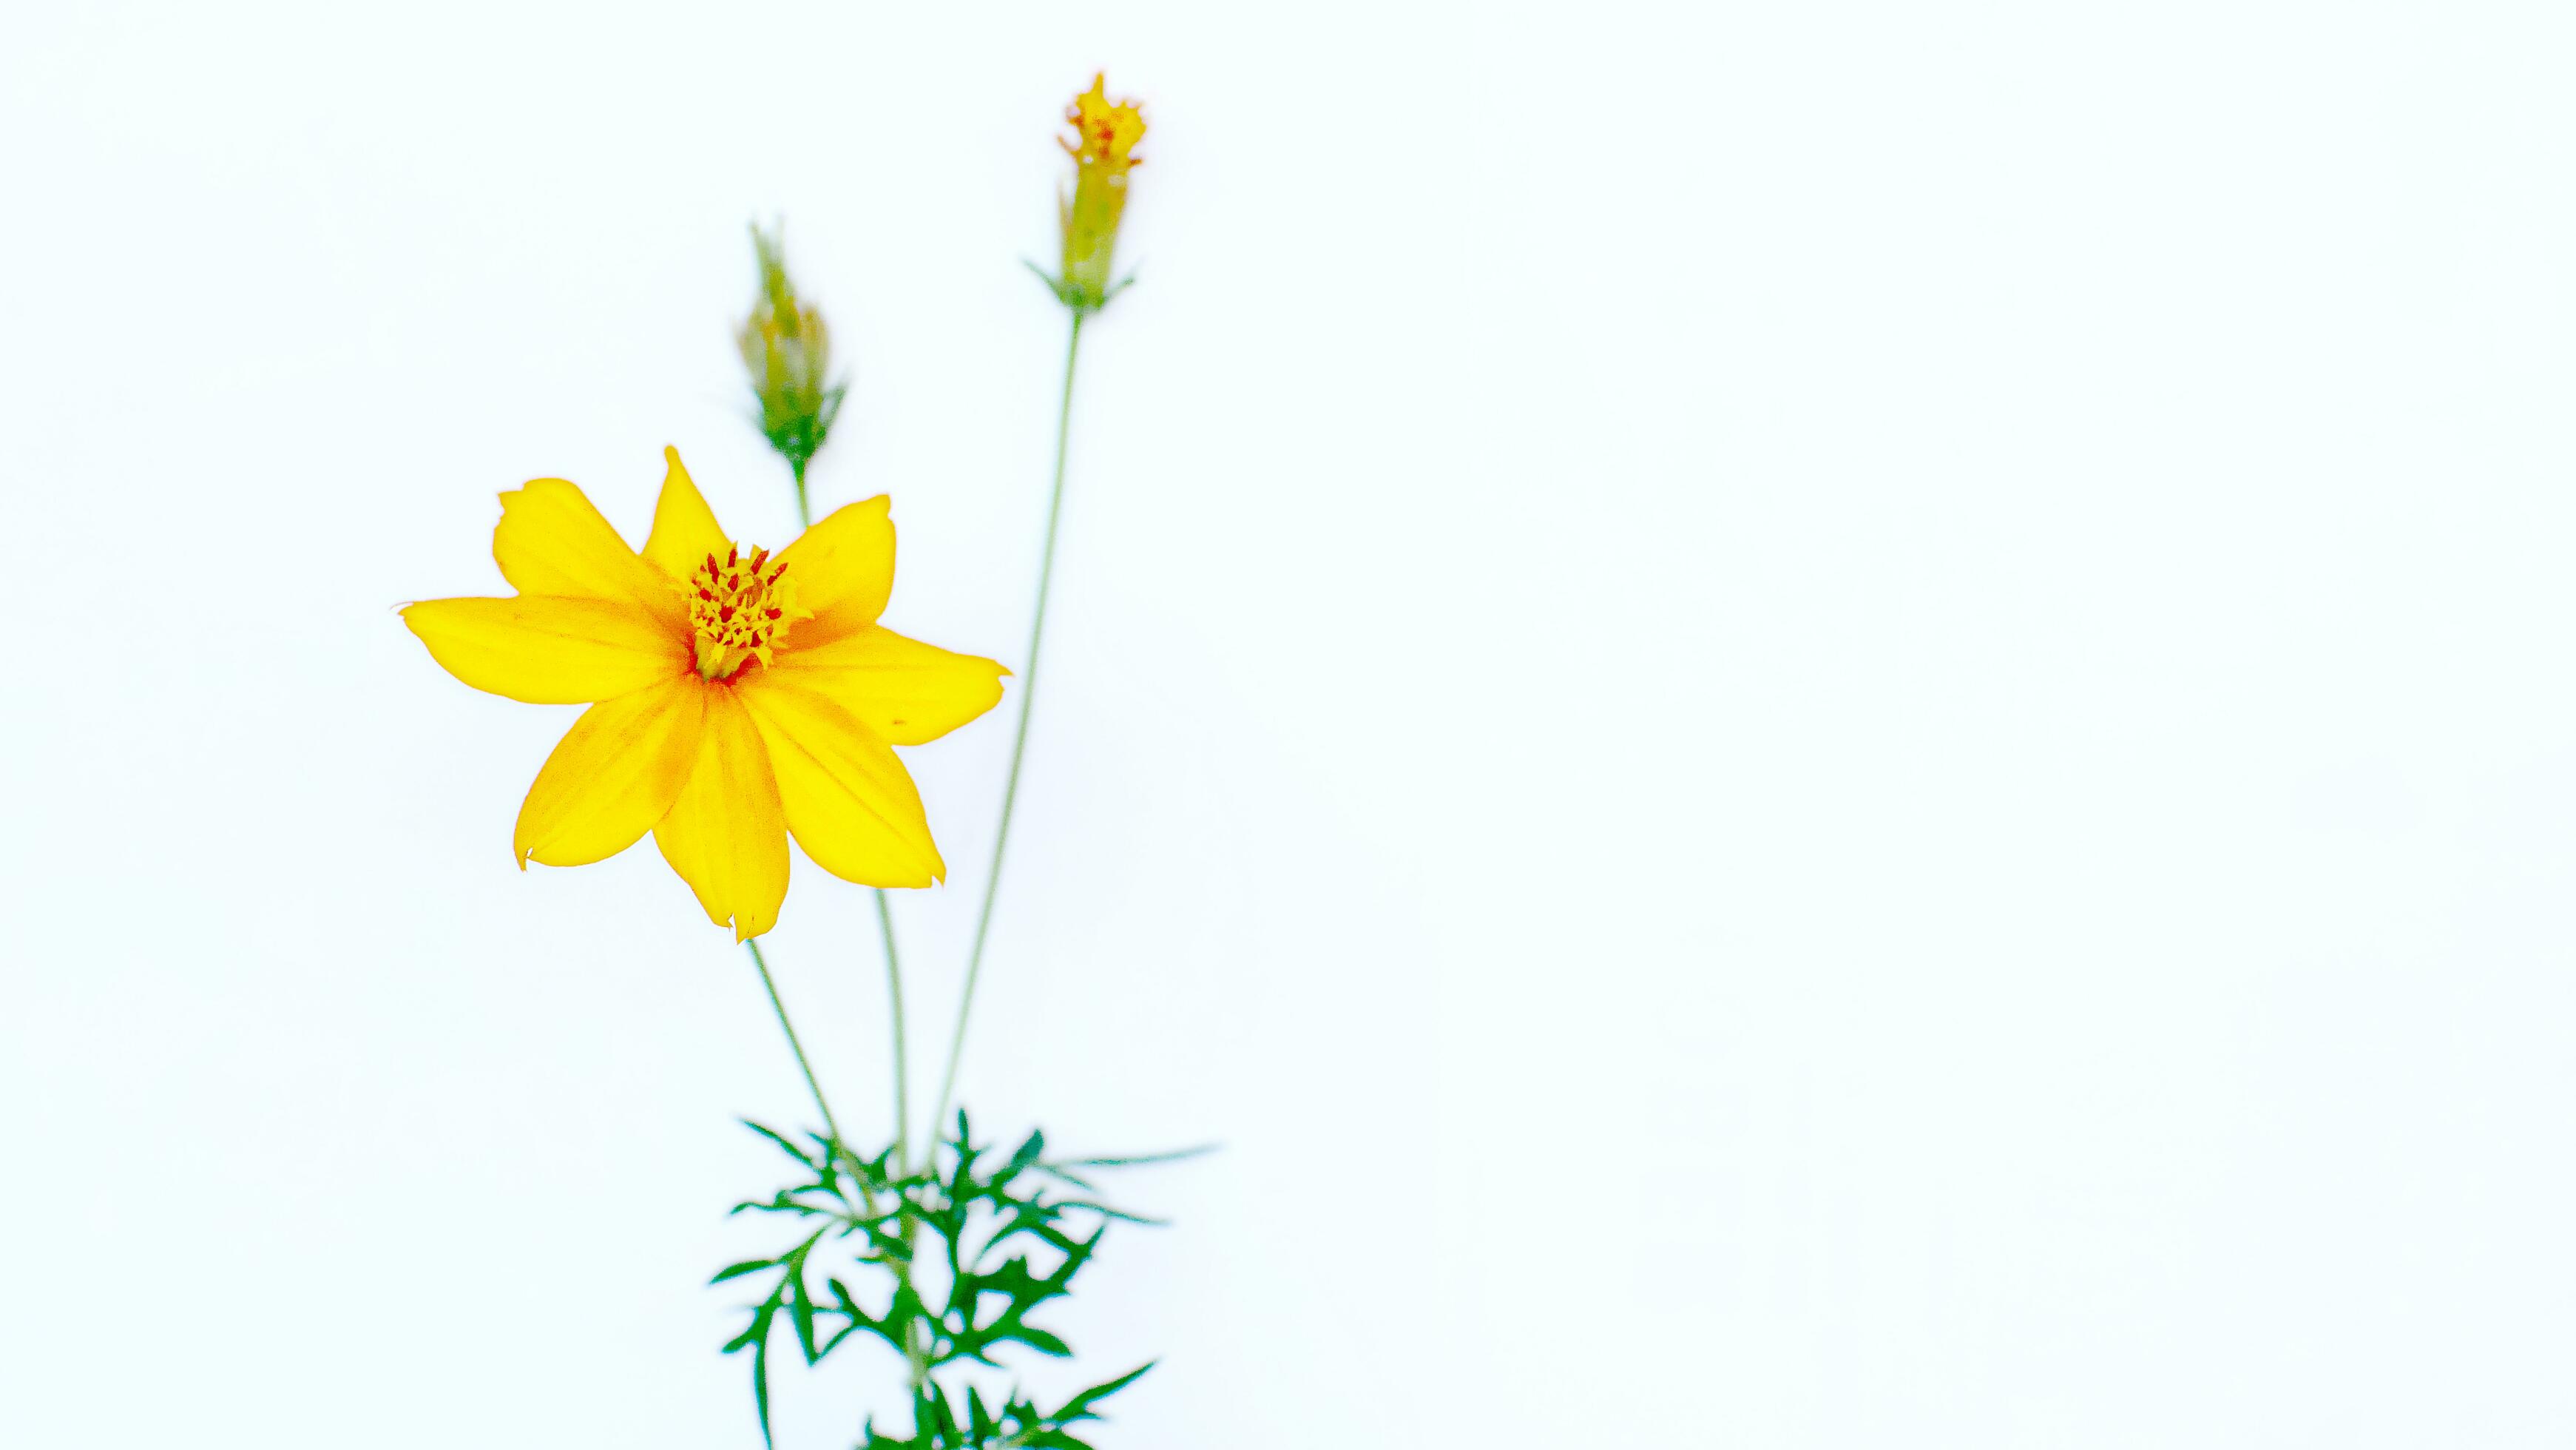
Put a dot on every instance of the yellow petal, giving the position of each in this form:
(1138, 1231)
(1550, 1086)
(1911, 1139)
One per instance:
(617, 772)
(851, 804)
(549, 651)
(905, 692)
(844, 570)
(725, 834)
(551, 541)
(685, 530)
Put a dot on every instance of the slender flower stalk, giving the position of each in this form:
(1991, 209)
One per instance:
(1020, 733)
(893, 958)
(821, 1104)
(1102, 146)
(902, 1068)
(787, 350)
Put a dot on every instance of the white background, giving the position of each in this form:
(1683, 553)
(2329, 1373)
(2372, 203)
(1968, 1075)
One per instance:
(1840, 725)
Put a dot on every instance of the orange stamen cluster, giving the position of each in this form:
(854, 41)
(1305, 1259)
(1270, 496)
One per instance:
(1103, 132)
(740, 609)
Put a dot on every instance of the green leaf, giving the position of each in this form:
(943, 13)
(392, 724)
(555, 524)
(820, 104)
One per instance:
(1142, 1160)
(1079, 1407)
(1028, 1153)
(790, 1149)
(801, 1305)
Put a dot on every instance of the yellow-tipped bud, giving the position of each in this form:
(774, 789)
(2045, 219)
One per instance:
(1103, 145)
(788, 351)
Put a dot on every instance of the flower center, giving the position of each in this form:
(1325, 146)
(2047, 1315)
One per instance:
(740, 609)
(1105, 131)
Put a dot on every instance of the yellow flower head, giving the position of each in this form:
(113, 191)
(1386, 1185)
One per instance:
(1102, 146)
(1104, 131)
(735, 696)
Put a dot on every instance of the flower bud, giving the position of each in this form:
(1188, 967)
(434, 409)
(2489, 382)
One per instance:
(788, 351)
(1104, 136)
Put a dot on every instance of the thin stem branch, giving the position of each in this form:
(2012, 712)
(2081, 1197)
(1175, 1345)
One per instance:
(915, 1357)
(902, 1070)
(885, 929)
(793, 1044)
(1020, 737)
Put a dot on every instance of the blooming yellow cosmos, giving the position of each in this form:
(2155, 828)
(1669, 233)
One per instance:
(735, 695)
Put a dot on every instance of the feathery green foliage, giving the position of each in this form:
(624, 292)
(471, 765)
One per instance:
(1013, 1229)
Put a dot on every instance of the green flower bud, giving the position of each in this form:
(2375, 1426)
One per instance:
(788, 352)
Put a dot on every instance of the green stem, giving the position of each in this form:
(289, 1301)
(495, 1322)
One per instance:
(793, 1045)
(1020, 738)
(914, 1357)
(885, 928)
(902, 1072)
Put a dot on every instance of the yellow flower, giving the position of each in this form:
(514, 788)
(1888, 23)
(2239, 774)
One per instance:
(1104, 137)
(735, 696)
